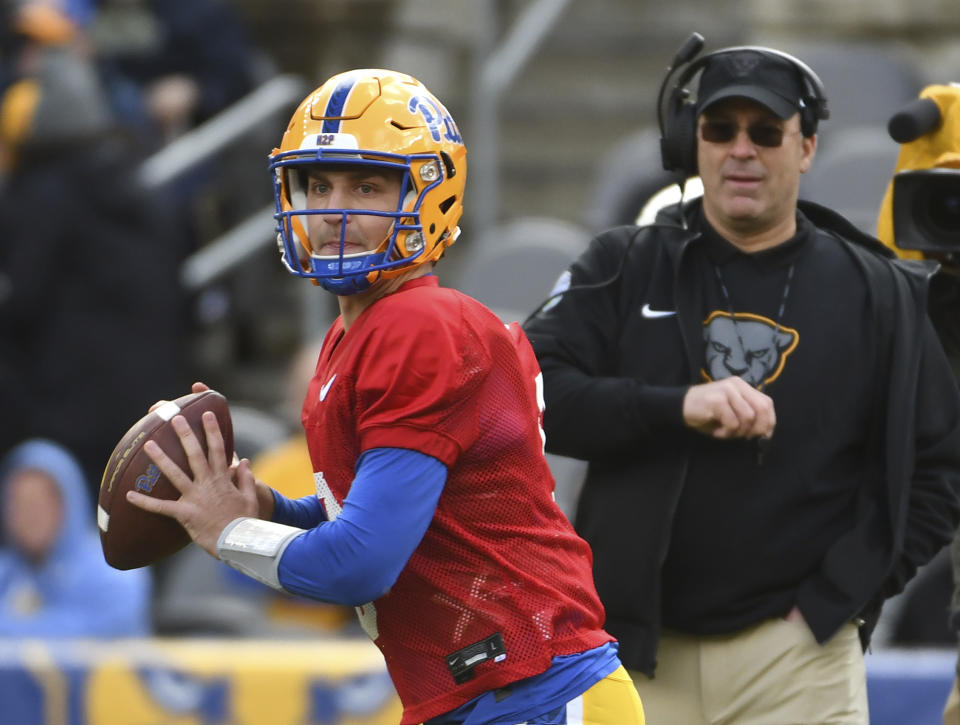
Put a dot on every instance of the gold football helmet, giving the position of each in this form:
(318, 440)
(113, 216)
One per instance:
(376, 118)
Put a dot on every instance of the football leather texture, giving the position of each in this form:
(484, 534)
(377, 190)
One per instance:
(131, 537)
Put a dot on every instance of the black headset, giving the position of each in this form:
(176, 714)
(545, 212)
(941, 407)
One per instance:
(678, 128)
(678, 117)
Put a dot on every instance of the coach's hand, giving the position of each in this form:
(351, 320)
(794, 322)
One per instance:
(729, 408)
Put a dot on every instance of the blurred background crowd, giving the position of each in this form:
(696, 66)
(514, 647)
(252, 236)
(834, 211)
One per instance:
(136, 251)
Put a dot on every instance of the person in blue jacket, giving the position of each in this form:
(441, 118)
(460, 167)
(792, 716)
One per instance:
(54, 581)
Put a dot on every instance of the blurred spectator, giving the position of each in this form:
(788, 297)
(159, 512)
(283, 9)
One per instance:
(90, 304)
(54, 581)
(44, 59)
(288, 467)
(166, 67)
(288, 464)
(171, 64)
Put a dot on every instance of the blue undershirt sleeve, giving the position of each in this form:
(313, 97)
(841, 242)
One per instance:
(357, 557)
(304, 513)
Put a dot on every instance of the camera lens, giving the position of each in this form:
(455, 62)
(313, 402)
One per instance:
(938, 208)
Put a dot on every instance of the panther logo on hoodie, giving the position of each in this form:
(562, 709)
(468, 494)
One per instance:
(749, 346)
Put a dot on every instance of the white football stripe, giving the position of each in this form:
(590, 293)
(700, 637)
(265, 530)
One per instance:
(103, 519)
(167, 410)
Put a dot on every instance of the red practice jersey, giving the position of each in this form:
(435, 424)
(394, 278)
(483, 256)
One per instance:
(432, 370)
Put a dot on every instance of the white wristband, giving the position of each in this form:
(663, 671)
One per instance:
(254, 547)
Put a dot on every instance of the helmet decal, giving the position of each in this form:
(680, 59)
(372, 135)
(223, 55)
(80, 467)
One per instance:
(436, 115)
(336, 104)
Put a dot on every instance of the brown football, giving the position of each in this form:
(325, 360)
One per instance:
(130, 536)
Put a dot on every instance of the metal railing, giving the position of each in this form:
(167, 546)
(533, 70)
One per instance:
(228, 250)
(197, 146)
(497, 71)
(209, 138)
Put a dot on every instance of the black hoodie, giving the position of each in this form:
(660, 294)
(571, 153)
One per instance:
(619, 351)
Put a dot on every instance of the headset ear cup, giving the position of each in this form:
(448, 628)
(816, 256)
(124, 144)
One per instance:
(688, 144)
(808, 117)
(668, 143)
(678, 145)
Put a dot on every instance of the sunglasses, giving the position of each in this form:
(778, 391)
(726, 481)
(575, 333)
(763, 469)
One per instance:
(761, 134)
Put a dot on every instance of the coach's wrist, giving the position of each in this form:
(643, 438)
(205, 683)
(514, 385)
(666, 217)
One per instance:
(795, 615)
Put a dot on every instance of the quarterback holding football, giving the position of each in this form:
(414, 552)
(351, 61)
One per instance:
(434, 512)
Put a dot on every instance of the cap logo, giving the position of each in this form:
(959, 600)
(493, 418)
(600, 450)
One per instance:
(743, 64)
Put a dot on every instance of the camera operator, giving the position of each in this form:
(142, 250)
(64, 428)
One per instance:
(920, 219)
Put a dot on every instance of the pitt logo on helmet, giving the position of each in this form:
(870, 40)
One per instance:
(433, 113)
(371, 118)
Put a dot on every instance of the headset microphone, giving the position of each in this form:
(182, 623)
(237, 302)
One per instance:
(691, 46)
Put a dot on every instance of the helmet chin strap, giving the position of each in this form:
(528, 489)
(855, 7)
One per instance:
(344, 286)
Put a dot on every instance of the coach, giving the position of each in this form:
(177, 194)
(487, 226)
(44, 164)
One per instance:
(772, 428)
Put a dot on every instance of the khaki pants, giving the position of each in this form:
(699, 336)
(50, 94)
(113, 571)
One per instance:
(951, 712)
(773, 673)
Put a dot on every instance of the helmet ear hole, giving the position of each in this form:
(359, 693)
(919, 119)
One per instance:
(448, 164)
(447, 203)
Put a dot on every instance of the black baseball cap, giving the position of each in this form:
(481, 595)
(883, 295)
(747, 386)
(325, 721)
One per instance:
(767, 79)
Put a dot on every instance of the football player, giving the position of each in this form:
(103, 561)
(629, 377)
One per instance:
(434, 513)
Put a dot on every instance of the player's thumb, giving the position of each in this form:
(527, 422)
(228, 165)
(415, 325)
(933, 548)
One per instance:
(246, 482)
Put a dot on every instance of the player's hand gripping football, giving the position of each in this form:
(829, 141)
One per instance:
(218, 492)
